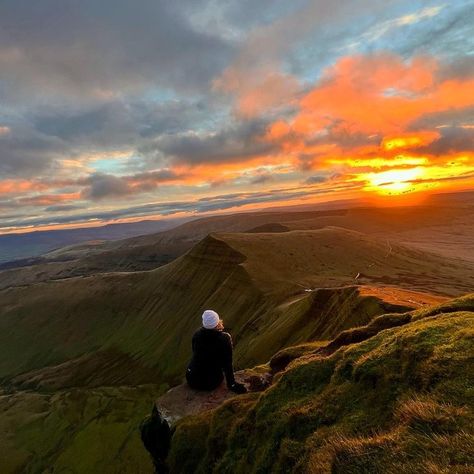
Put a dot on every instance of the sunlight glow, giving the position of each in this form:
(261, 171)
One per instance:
(393, 181)
(402, 142)
(381, 162)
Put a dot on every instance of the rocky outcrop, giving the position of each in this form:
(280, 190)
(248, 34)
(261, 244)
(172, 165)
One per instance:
(182, 401)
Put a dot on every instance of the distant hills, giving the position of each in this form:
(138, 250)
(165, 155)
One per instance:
(21, 249)
(445, 229)
(19, 246)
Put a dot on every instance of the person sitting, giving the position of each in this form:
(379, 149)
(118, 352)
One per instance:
(212, 356)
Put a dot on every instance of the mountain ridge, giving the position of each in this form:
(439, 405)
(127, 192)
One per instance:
(140, 313)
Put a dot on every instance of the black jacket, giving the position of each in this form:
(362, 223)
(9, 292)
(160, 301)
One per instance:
(212, 356)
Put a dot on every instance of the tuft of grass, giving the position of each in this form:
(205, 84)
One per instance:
(426, 415)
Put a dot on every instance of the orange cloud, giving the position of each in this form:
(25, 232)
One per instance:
(358, 119)
(50, 199)
(381, 94)
(409, 140)
(255, 93)
(13, 186)
(278, 130)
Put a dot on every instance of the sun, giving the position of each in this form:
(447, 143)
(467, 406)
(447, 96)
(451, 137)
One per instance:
(396, 181)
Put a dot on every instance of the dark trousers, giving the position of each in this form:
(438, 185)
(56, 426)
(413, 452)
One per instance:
(207, 381)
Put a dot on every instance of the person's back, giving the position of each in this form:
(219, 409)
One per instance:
(212, 357)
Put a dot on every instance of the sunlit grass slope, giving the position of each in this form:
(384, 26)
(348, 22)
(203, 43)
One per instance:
(399, 401)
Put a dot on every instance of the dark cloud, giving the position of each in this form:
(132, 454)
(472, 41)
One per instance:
(452, 140)
(101, 186)
(306, 161)
(317, 179)
(238, 142)
(170, 116)
(335, 134)
(72, 127)
(37, 148)
(454, 128)
(148, 181)
(341, 134)
(155, 176)
(26, 153)
(459, 68)
(94, 48)
(449, 118)
(117, 123)
(262, 179)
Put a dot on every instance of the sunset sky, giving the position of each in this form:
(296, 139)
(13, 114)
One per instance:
(116, 110)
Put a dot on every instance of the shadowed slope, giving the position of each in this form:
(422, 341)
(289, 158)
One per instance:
(78, 430)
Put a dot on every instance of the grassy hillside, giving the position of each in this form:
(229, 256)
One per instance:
(332, 256)
(144, 252)
(81, 359)
(260, 283)
(78, 430)
(400, 401)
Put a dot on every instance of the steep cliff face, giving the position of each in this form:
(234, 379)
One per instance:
(399, 401)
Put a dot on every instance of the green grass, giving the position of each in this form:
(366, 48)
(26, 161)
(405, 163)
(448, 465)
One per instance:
(76, 431)
(400, 401)
(148, 319)
(79, 343)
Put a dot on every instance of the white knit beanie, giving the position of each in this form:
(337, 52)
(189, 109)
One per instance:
(210, 319)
